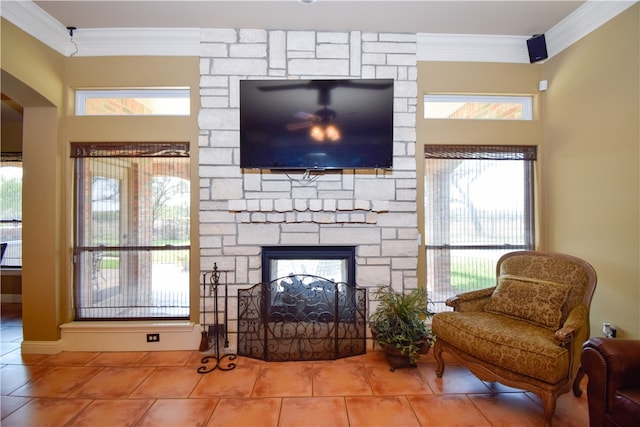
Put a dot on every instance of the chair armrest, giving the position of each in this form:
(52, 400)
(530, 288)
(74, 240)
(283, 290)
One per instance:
(620, 358)
(470, 301)
(611, 364)
(576, 319)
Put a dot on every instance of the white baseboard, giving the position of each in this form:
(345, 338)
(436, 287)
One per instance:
(129, 336)
(41, 347)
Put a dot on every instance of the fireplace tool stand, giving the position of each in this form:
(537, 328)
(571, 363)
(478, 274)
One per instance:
(215, 332)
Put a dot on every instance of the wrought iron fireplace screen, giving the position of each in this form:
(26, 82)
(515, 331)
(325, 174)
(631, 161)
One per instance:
(301, 317)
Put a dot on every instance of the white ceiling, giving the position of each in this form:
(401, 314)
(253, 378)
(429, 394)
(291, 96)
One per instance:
(515, 17)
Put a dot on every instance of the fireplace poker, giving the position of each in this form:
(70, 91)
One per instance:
(204, 340)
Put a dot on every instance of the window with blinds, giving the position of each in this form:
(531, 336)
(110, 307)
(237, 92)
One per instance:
(11, 210)
(131, 252)
(478, 206)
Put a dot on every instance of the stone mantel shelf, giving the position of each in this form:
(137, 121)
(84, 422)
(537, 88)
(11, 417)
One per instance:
(305, 205)
(320, 211)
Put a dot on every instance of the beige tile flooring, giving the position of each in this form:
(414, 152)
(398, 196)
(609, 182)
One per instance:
(165, 389)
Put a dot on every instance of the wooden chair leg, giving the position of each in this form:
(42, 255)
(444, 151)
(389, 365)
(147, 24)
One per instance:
(437, 354)
(549, 405)
(577, 391)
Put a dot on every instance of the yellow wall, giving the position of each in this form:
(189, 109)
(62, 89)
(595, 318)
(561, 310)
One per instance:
(590, 168)
(123, 72)
(588, 133)
(32, 75)
(589, 139)
(472, 78)
(33, 63)
(39, 79)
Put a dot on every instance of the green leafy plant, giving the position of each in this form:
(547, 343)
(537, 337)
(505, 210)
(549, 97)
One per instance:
(399, 321)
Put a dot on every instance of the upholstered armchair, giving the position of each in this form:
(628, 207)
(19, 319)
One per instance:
(526, 331)
(613, 391)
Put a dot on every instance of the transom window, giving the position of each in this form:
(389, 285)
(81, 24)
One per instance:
(133, 102)
(131, 253)
(478, 206)
(476, 107)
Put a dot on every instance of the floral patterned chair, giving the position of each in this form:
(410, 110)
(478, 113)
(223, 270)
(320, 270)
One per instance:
(527, 331)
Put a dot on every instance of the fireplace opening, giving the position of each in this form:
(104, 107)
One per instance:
(336, 263)
(306, 308)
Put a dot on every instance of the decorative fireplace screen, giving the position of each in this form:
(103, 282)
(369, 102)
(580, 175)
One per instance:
(301, 317)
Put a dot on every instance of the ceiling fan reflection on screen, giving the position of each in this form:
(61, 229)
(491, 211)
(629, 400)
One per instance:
(322, 124)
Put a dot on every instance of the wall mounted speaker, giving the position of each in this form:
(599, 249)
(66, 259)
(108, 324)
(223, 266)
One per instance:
(537, 46)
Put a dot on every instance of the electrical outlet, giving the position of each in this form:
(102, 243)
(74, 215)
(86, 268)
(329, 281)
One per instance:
(609, 330)
(153, 337)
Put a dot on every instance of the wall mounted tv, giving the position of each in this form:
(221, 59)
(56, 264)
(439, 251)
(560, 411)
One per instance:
(316, 124)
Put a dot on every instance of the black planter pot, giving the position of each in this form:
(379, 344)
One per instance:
(398, 360)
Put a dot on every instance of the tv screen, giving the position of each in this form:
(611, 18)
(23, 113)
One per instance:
(316, 124)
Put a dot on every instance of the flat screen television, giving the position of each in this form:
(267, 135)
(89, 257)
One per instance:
(316, 124)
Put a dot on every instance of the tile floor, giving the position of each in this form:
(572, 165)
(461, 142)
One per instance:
(164, 389)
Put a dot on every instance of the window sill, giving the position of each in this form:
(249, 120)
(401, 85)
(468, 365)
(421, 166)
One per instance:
(129, 326)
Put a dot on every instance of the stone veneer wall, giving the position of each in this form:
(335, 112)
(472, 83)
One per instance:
(243, 210)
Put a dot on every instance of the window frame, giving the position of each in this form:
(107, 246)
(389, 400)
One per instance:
(81, 250)
(525, 100)
(82, 95)
(434, 272)
(14, 159)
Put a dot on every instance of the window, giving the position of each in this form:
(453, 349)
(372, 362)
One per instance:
(131, 252)
(133, 102)
(11, 210)
(478, 107)
(478, 206)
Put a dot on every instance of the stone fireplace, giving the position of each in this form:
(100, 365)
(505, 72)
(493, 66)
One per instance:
(243, 211)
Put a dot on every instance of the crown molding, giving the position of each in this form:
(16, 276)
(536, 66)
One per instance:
(27, 16)
(138, 42)
(480, 48)
(588, 17)
(472, 48)
(185, 41)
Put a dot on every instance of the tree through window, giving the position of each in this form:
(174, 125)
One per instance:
(478, 206)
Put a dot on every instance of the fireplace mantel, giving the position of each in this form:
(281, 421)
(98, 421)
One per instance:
(321, 211)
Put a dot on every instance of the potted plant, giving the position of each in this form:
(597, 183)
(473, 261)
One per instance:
(398, 325)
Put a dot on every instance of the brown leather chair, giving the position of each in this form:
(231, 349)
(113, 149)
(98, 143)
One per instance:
(613, 391)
